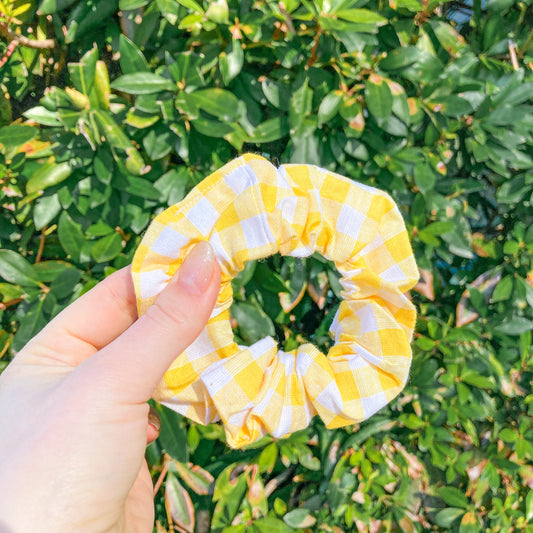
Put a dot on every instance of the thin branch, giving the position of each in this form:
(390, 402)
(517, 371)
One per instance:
(11, 47)
(274, 483)
(4, 349)
(512, 54)
(12, 37)
(166, 465)
(9, 303)
(313, 57)
(41, 245)
(288, 19)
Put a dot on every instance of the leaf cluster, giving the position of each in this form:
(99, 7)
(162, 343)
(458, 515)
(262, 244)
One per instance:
(136, 101)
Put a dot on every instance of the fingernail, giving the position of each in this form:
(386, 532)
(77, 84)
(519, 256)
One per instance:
(154, 420)
(197, 269)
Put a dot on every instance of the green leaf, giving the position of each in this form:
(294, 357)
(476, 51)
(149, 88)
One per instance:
(440, 227)
(179, 503)
(173, 437)
(363, 16)
(229, 493)
(453, 106)
(447, 517)
(412, 421)
(107, 248)
(453, 497)
(378, 98)
(448, 37)
(99, 230)
(425, 178)
(300, 104)
(31, 323)
(503, 290)
(356, 149)
(529, 506)
(277, 93)
(192, 5)
(515, 326)
(478, 380)
(45, 210)
(63, 285)
(48, 175)
(269, 280)
(131, 59)
(48, 7)
(270, 524)
(185, 70)
(131, 4)
(114, 135)
(158, 143)
(218, 11)
(231, 61)
(142, 188)
(86, 16)
(10, 292)
(508, 435)
(16, 269)
(253, 323)
(299, 518)
(507, 115)
(41, 115)
(470, 523)
(198, 479)
(244, 276)
(329, 106)
(172, 185)
(270, 130)
(519, 95)
(267, 458)
(82, 74)
(16, 135)
(70, 236)
(401, 58)
(142, 83)
(103, 166)
(47, 271)
(217, 102)
(498, 6)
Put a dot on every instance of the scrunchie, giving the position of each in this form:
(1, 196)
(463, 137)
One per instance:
(247, 210)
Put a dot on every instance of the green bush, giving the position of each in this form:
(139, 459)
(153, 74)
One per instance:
(133, 102)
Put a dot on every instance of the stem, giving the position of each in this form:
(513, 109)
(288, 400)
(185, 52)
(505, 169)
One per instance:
(9, 303)
(288, 19)
(526, 44)
(313, 57)
(120, 231)
(159, 482)
(4, 349)
(512, 55)
(41, 245)
(11, 36)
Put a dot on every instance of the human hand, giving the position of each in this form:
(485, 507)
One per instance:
(73, 408)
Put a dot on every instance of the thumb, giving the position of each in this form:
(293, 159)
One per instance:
(134, 363)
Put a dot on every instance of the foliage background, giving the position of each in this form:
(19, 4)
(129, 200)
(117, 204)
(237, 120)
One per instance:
(112, 110)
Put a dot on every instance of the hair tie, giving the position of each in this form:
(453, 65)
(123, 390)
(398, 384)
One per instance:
(247, 210)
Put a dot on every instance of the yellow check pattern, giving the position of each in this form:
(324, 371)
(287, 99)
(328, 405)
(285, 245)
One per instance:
(247, 210)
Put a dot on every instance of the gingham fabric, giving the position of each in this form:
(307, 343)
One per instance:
(249, 209)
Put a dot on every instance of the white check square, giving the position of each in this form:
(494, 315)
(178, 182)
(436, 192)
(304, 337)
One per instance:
(257, 232)
(203, 216)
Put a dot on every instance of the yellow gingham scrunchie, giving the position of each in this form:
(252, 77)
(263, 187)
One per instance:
(247, 210)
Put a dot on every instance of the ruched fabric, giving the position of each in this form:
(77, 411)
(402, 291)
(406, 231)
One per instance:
(247, 210)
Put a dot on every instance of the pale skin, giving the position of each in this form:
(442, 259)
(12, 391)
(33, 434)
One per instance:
(73, 408)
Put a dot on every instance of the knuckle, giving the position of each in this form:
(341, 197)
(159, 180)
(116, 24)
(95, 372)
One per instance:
(166, 316)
